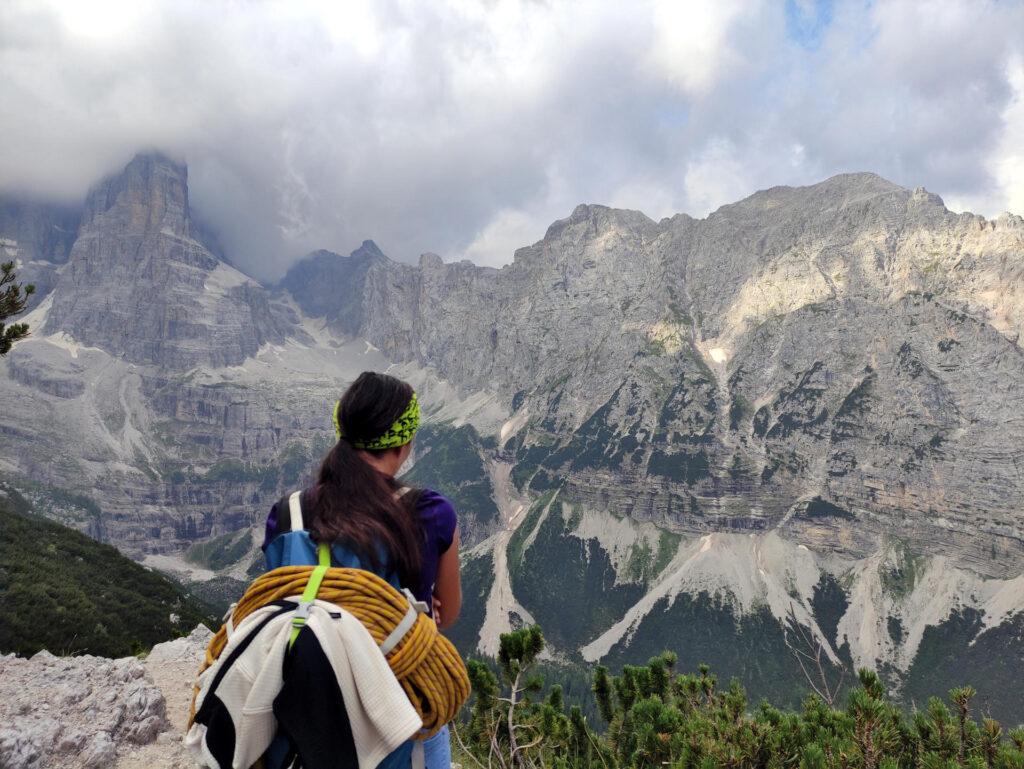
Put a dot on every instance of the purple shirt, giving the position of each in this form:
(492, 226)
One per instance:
(437, 520)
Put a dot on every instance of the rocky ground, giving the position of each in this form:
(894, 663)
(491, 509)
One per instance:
(90, 712)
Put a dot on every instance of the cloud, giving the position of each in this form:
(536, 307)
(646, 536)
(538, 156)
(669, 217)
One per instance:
(1009, 156)
(1006, 159)
(465, 127)
(714, 175)
(502, 235)
(693, 46)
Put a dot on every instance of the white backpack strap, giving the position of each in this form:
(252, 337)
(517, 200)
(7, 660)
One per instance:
(295, 508)
(412, 613)
(419, 755)
(228, 619)
(402, 492)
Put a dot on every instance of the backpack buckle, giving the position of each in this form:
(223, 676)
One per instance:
(420, 606)
(301, 613)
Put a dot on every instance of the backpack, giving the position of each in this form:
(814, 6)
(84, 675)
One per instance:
(295, 547)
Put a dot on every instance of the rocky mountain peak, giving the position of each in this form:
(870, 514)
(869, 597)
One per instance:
(837, 193)
(330, 285)
(369, 250)
(922, 198)
(139, 284)
(593, 219)
(1010, 221)
(431, 261)
(150, 193)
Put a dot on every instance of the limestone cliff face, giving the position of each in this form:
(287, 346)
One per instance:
(852, 343)
(331, 286)
(37, 237)
(139, 283)
(566, 305)
(39, 231)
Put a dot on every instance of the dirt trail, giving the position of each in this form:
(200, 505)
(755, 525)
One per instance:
(173, 667)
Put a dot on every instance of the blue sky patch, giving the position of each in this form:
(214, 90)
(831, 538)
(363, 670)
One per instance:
(807, 20)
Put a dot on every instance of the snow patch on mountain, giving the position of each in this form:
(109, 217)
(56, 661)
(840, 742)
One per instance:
(222, 279)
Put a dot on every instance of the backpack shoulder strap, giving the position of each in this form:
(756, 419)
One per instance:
(402, 492)
(295, 510)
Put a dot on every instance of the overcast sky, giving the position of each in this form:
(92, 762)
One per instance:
(466, 128)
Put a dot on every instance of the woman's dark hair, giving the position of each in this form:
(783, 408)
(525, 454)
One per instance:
(355, 503)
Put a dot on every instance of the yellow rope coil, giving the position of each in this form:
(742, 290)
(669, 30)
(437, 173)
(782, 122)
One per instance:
(426, 664)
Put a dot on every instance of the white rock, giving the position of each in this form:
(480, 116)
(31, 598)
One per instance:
(75, 712)
(100, 753)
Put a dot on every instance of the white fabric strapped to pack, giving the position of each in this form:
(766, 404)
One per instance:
(416, 607)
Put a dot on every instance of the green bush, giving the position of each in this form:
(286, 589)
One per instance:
(657, 717)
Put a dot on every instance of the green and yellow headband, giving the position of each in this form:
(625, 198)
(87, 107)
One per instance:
(399, 434)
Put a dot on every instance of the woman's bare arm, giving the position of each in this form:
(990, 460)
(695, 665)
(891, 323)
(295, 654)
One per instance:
(448, 587)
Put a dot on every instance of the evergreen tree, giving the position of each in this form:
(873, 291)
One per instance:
(512, 727)
(657, 717)
(13, 298)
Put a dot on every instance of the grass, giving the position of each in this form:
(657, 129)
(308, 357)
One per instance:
(668, 546)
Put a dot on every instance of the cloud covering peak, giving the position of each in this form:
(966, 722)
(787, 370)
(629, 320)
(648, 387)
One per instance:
(465, 128)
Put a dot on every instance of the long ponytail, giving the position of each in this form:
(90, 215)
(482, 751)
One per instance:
(355, 503)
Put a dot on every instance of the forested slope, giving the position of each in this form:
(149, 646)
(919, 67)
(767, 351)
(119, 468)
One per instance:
(63, 591)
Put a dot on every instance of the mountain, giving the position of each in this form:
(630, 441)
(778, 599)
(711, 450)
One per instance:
(831, 342)
(39, 237)
(659, 434)
(139, 282)
(330, 286)
(62, 591)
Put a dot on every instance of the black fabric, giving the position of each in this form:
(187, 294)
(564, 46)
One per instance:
(310, 708)
(281, 754)
(220, 732)
(210, 702)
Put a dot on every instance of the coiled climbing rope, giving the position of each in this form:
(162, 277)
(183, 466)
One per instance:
(426, 664)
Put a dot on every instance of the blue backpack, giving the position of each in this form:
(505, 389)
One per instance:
(296, 548)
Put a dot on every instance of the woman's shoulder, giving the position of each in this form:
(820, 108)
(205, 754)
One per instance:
(429, 498)
(433, 503)
(436, 511)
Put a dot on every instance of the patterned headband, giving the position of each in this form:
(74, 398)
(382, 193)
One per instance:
(399, 434)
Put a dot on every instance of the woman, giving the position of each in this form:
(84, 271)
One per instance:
(409, 537)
